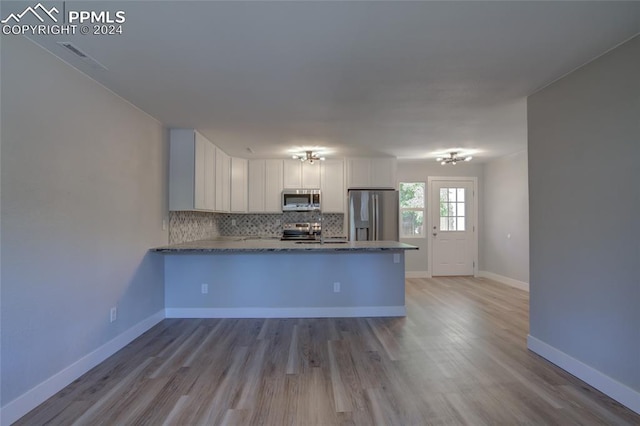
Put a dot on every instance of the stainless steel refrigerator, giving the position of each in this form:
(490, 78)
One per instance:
(373, 215)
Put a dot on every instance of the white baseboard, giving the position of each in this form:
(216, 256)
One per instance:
(504, 280)
(324, 312)
(43, 391)
(605, 384)
(417, 274)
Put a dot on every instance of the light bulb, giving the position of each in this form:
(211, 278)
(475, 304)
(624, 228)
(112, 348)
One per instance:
(468, 158)
(439, 159)
(295, 157)
(322, 158)
(443, 163)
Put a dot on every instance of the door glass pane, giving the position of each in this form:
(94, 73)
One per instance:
(452, 209)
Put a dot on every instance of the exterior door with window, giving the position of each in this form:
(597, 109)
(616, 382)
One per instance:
(452, 228)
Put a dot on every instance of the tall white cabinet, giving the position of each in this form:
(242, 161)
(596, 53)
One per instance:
(223, 181)
(191, 171)
(265, 186)
(332, 186)
(238, 185)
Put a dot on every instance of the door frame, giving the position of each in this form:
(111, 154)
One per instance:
(474, 243)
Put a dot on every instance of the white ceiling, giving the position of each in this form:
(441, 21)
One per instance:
(377, 78)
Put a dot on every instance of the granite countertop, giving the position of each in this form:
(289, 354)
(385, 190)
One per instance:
(275, 245)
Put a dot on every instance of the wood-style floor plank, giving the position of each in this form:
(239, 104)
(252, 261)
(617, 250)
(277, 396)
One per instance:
(458, 358)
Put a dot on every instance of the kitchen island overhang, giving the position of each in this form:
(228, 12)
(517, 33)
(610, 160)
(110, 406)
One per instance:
(282, 279)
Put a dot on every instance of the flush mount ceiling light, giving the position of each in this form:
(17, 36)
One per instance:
(453, 158)
(309, 156)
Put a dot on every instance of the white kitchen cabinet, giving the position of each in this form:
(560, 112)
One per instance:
(223, 181)
(257, 192)
(371, 172)
(265, 186)
(191, 171)
(292, 174)
(238, 185)
(332, 186)
(358, 172)
(311, 175)
(273, 186)
(299, 174)
(209, 174)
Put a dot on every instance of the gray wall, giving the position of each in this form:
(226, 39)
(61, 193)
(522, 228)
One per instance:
(419, 171)
(83, 198)
(584, 175)
(506, 217)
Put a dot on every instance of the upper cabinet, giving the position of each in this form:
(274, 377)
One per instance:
(202, 177)
(332, 186)
(301, 175)
(223, 181)
(265, 186)
(191, 171)
(371, 172)
(238, 185)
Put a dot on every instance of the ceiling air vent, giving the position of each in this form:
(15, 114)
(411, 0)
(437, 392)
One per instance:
(81, 55)
(74, 49)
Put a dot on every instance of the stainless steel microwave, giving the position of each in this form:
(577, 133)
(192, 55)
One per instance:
(301, 200)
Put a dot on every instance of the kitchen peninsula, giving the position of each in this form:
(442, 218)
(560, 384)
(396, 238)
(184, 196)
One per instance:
(270, 278)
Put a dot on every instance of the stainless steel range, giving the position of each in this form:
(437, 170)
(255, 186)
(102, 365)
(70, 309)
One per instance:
(301, 231)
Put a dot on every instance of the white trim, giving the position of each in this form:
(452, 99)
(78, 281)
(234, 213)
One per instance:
(43, 391)
(605, 384)
(505, 280)
(476, 191)
(323, 312)
(417, 274)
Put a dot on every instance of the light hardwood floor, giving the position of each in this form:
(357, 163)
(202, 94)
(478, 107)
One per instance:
(459, 357)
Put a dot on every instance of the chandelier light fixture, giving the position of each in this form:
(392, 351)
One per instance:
(453, 158)
(309, 156)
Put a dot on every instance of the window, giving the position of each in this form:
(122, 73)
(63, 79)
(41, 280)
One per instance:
(412, 209)
(452, 209)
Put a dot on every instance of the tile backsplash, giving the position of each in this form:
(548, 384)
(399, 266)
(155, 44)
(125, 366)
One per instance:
(189, 226)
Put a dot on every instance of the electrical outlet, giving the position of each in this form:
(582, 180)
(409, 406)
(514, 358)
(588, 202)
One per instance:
(336, 287)
(113, 315)
(204, 288)
(396, 257)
